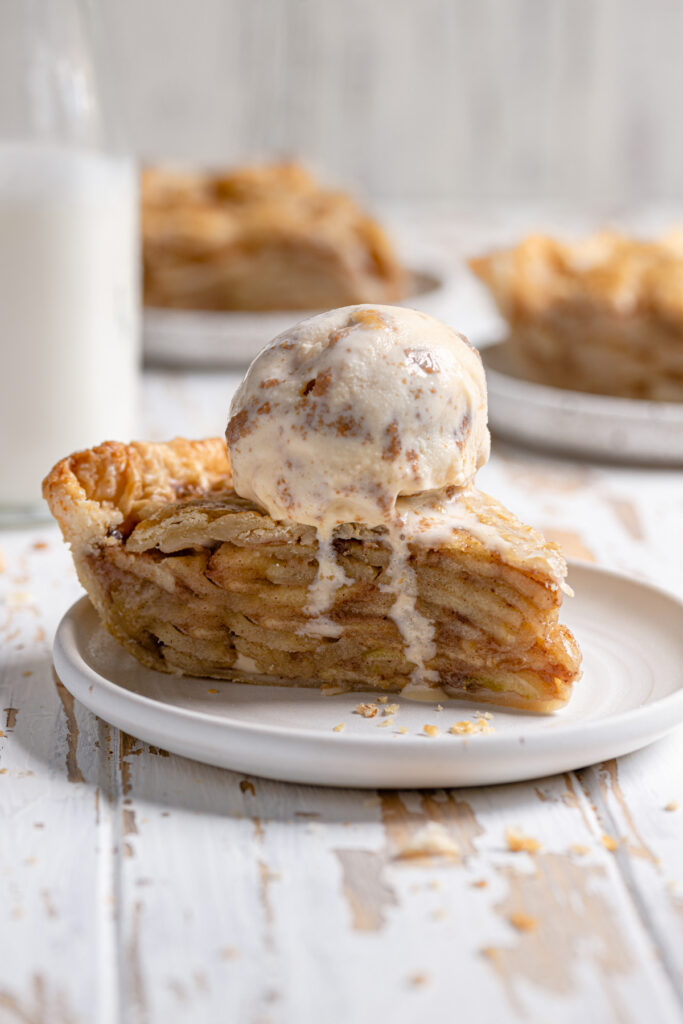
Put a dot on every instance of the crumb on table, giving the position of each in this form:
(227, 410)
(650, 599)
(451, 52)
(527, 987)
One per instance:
(518, 842)
(431, 730)
(522, 922)
(432, 840)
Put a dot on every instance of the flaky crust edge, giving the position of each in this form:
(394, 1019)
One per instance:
(98, 490)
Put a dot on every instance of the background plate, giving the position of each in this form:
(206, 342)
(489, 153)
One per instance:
(598, 426)
(196, 338)
(631, 693)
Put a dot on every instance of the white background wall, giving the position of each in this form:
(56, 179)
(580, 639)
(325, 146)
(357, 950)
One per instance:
(417, 99)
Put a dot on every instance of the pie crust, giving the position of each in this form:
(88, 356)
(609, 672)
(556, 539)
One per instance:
(191, 578)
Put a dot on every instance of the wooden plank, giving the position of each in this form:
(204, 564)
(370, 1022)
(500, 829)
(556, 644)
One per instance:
(56, 911)
(639, 801)
(308, 904)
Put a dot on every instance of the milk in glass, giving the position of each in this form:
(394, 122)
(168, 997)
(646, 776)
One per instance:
(69, 308)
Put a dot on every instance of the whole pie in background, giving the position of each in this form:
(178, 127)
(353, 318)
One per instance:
(603, 315)
(262, 237)
(253, 567)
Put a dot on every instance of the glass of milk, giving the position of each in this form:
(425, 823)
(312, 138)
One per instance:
(69, 254)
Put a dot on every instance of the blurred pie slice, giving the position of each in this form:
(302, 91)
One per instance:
(193, 579)
(264, 237)
(603, 315)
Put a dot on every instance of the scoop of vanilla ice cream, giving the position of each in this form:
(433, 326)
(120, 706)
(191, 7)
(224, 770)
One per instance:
(349, 410)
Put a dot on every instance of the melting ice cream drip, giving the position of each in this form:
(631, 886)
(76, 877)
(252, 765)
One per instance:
(416, 629)
(321, 593)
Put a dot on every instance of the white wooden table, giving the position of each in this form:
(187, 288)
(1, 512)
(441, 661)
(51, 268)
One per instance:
(136, 886)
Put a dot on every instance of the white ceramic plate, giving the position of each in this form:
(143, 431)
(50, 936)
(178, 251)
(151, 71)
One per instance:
(623, 429)
(631, 693)
(196, 338)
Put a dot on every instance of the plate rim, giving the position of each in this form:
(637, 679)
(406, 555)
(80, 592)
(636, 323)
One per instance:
(637, 408)
(642, 715)
(161, 316)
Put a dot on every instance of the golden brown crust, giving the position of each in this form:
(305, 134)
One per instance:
(112, 486)
(192, 578)
(607, 271)
(259, 238)
(602, 315)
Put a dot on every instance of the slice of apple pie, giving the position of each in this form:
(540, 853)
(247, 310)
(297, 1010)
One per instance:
(263, 237)
(192, 578)
(602, 315)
